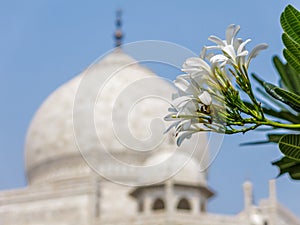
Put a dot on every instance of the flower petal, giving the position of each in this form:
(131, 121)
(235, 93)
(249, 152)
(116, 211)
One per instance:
(191, 70)
(229, 50)
(178, 102)
(192, 62)
(205, 98)
(242, 46)
(218, 58)
(175, 124)
(196, 62)
(243, 53)
(255, 51)
(237, 42)
(183, 136)
(231, 32)
(186, 124)
(216, 40)
(213, 47)
(203, 52)
(182, 84)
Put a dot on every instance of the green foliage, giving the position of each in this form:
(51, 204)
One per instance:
(290, 22)
(283, 115)
(289, 145)
(289, 98)
(286, 96)
(289, 78)
(274, 137)
(290, 166)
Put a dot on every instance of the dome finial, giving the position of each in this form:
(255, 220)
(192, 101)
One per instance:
(118, 35)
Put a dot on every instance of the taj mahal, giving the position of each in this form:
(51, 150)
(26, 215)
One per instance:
(75, 179)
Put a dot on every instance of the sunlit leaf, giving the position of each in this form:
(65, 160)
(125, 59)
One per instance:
(290, 22)
(293, 100)
(287, 97)
(291, 59)
(269, 102)
(291, 45)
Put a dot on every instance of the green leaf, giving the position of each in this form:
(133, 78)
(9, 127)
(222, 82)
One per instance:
(291, 59)
(289, 98)
(292, 51)
(260, 81)
(285, 115)
(291, 45)
(289, 145)
(289, 77)
(275, 137)
(270, 100)
(282, 114)
(290, 166)
(290, 22)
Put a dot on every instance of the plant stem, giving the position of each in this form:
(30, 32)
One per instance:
(244, 130)
(280, 125)
(258, 123)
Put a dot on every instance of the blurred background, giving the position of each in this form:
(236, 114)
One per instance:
(45, 43)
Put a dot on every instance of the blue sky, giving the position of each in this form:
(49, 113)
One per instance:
(45, 43)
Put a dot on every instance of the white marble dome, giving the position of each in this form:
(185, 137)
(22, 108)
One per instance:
(181, 167)
(115, 107)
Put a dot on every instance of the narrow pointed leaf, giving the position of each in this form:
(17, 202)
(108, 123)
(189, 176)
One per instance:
(289, 98)
(289, 77)
(290, 166)
(285, 115)
(280, 67)
(271, 102)
(275, 137)
(260, 81)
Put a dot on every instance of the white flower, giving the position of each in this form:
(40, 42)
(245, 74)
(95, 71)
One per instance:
(185, 87)
(207, 76)
(205, 98)
(199, 73)
(255, 51)
(233, 49)
(196, 67)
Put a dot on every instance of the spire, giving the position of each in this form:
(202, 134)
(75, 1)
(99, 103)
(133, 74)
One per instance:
(272, 190)
(248, 194)
(118, 35)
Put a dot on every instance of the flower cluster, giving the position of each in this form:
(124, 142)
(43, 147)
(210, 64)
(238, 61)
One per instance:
(207, 99)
